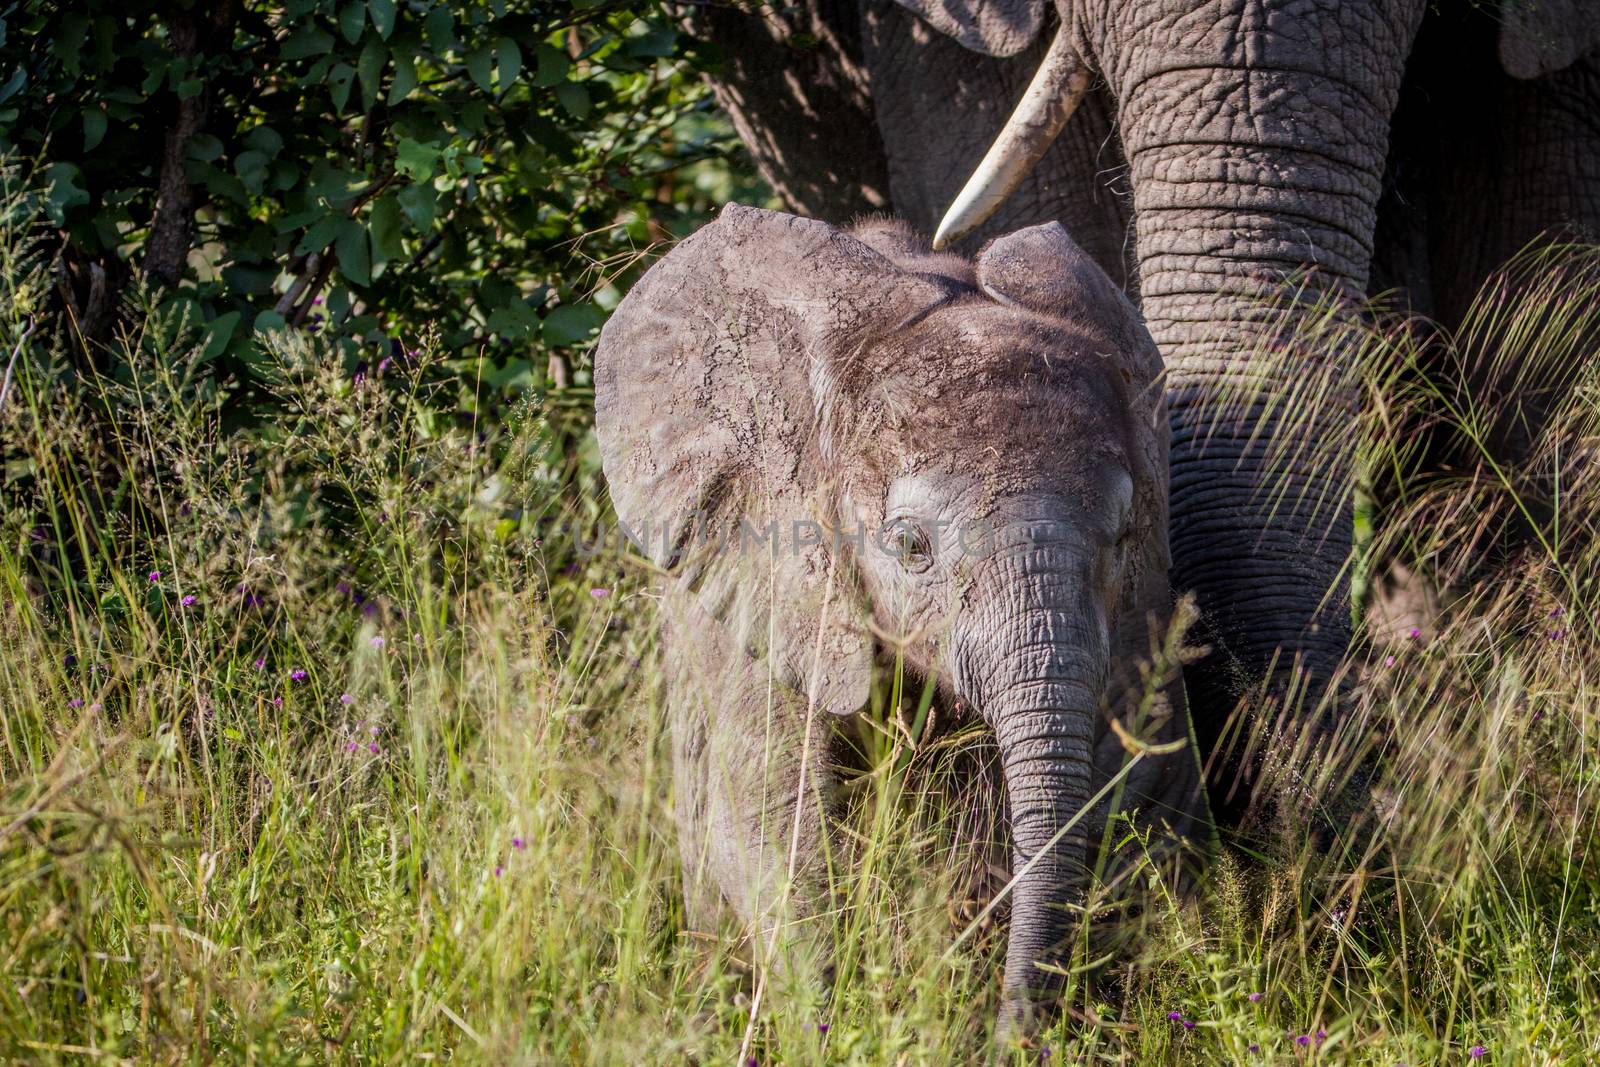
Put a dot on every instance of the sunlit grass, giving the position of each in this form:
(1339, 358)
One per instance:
(450, 837)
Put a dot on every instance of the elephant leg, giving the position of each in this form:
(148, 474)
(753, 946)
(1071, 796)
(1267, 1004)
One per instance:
(753, 777)
(1165, 793)
(1484, 165)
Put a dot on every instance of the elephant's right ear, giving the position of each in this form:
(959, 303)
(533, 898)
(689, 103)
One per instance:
(1041, 268)
(992, 27)
(1539, 37)
(716, 380)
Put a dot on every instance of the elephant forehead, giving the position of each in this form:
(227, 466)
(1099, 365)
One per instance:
(1013, 434)
(973, 343)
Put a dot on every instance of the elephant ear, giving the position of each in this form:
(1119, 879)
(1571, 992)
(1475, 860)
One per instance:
(992, 27)
(715, 383)
(1539, 37)
(1042, 270)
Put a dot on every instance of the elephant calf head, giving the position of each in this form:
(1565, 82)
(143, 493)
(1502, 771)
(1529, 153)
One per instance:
(972, 453)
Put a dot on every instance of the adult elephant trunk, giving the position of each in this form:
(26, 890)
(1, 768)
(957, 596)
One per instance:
(1256, 149)
(1035, 660)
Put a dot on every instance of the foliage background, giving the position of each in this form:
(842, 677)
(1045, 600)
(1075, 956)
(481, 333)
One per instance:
(378, 170)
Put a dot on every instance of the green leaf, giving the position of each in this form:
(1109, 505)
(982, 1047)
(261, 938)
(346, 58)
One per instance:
(384, 225)
(218, 333)
(352, 20)
(440, 28)
(480, 67)
(415, 160)
(251, 166)
(351, 247)
(318, 237)
(382, 12)
(508, 60)
(305, 43)
(264, 139)
(63, 190)
(340, 79)
(337, 187)
(420, 205)
(370, 68)
(204, 147)
(553, 66)
(514, 321)
(657, 43)
(269, 320)
(94, 128)
(405, 78)
(571, 324)
(573, 97)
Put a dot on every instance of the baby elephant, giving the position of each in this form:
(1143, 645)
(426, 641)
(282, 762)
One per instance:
(826, 437)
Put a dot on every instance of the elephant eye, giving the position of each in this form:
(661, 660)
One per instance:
(910, 544)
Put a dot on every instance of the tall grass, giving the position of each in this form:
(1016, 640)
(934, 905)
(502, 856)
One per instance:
(311, 749)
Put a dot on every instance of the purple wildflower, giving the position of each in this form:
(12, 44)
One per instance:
(373, 748)
(377, 641)
(1555, 613)
(519, 843)
(1477, 1052)
(189, 600)
(1175, 1016)
(1322, 1035)
(261, 662)
(1254, 1047)
(1415, 633)
(346, 698)
(155, 576)
(1388, 661)
(297, 675)
(599, 593)
(822, 1028)
(351, 747)
(1253, 997)
(499, 870)
(277, 702)
(1303, 1040)
(75, 702)
(94, 707)
(1188, 1024)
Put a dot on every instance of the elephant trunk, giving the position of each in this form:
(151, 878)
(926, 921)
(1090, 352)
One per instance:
(1255, 164)
(1045, 753)
(1036, 664)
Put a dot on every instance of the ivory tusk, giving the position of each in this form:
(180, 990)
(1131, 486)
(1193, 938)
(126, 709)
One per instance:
(1039, 118)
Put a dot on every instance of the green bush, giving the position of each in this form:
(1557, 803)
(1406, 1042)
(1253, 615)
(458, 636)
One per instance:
(487, 172)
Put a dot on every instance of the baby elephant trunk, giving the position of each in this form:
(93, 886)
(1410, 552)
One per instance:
(1047, 650)
(1044, 747)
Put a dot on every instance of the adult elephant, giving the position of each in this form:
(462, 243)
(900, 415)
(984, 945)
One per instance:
(1205, 153)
